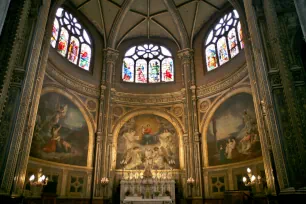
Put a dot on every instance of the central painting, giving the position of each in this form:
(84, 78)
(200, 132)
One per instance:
(147, 141)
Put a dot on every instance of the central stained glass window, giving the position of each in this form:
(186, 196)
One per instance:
(148, 63)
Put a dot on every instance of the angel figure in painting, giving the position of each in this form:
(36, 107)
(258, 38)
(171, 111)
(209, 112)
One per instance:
(133, 158)
(130, 139)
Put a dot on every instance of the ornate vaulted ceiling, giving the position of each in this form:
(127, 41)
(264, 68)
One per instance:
(119, 20)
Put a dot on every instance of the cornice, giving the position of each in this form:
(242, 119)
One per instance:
(72, 82)
(225, 83)
(148, 99)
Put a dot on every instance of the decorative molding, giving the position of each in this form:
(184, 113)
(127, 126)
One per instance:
(220, 85)
(204, 105)
(72, 82)
(148, 99)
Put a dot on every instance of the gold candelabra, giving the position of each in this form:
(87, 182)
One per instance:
(251, 179)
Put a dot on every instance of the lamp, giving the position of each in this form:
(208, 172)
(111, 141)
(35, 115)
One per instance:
(252, 179)
(37, 183)
(104, 181)
(190, 182)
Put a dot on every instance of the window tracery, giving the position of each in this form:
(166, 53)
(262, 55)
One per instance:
(71, 40)
(148, 63)
(224, 41)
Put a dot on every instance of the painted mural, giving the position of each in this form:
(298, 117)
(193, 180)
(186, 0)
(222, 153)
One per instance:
(147, 141)
(232, 134)
(61, 132)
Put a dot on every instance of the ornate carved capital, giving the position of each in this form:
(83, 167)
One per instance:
(111, 55)
(185, 55)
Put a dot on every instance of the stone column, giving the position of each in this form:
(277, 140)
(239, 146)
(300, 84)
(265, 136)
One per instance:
(300, 6)
(39, 56)
(19, 75)
(104, 135)
(193, 152)
(291, 96)
(259, 81)
(279, 83)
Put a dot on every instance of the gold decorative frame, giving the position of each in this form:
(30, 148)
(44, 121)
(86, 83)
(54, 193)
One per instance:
(177, 125)
(87, 116)
(214, 106)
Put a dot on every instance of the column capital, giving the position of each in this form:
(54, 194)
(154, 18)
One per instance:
(111, 55)
(185, 54)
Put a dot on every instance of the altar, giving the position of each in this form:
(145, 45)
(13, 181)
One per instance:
(140, 200)
(147, 190)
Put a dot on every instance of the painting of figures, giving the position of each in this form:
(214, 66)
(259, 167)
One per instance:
(147, 141)
(232, 134)
(61, 132)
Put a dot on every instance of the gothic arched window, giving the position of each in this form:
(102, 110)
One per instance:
(222, 41)
(71, 40)
(148, 63)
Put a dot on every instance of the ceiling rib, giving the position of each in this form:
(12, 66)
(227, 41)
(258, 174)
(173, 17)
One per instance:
(131, 29)
(158, 13)
(194, 22)
(172, 36)
(102, 21)
(116, 4)
(137, 12)
(113, 35)
(83, 4)
(184, 3)
(131, 10)
(212, 5)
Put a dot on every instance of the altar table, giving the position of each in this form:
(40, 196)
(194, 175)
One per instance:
(139, 200)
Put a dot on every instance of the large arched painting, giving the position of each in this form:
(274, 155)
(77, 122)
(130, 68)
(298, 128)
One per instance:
(147, 140)
(61, 132)
(232, 134)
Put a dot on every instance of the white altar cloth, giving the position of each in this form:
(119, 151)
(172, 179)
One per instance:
(139, 200)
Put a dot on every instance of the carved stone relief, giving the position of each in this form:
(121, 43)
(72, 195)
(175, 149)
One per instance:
(72, 82)
(226, 82)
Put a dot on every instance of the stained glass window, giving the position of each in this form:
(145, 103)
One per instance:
(71, 40)
(148, 63)
(224, 41)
